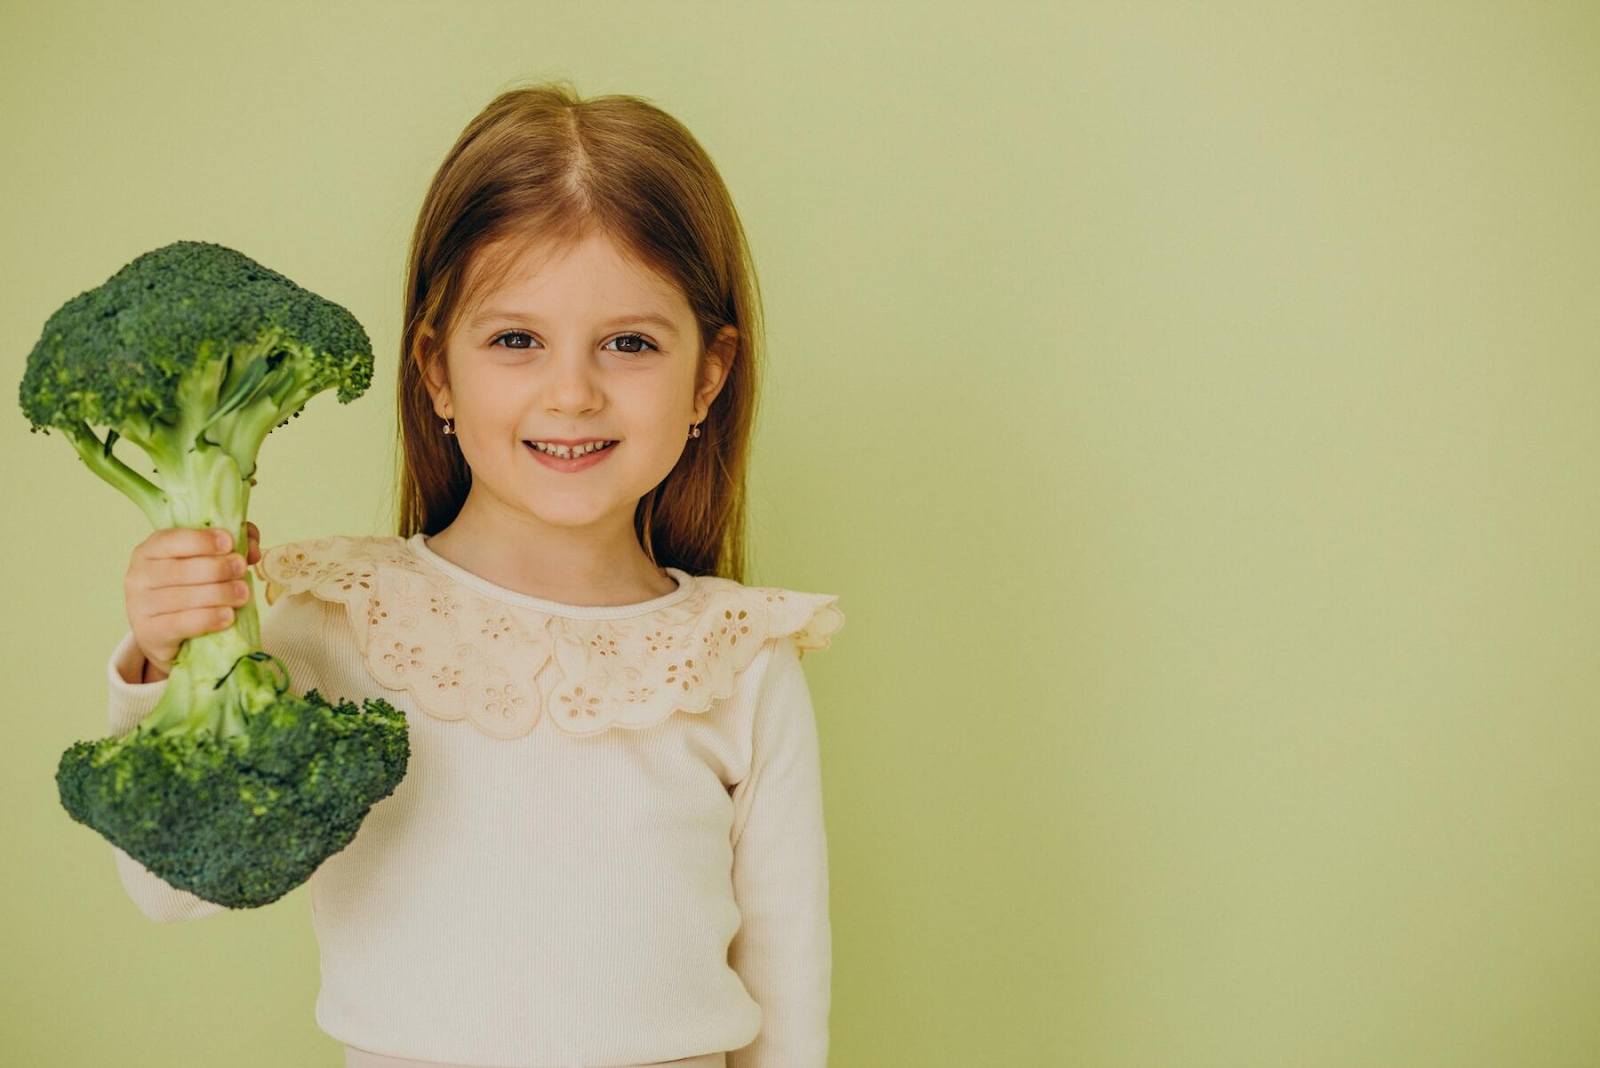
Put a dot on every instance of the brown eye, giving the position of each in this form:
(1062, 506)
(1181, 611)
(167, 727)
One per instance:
(640, 339)
(509, 334)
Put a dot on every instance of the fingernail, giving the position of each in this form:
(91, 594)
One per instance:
(223, 539)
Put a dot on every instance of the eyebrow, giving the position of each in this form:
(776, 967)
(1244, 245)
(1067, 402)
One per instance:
(652, 317)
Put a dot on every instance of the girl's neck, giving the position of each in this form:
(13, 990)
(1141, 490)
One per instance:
(568, 570)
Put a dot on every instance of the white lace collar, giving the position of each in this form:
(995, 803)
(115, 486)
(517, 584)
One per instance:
(466, 648)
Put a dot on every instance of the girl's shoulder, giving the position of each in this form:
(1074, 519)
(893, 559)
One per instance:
(465, 648)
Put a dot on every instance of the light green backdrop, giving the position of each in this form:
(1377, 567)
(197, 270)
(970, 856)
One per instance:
(1195, 406)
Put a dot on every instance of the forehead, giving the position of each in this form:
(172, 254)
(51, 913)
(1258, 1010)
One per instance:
(590, 270)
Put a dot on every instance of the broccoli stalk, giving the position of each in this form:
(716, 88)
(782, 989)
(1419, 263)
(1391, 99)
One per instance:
(204, 460)
(232, 786)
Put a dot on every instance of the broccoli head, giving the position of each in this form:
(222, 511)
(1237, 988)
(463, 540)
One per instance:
(240, 819)
(233, 787)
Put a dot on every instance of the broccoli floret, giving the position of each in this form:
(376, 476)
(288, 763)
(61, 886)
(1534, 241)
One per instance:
(240, 820)
(232, 787)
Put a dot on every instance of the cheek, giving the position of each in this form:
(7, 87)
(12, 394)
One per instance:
(489, 395)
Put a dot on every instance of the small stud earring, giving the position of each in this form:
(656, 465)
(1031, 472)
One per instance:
(694, 430)
(448, 429)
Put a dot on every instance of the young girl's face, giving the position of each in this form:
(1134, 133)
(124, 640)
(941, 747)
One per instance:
(573, 345)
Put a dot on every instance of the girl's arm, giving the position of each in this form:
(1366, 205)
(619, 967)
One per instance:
(783, 950)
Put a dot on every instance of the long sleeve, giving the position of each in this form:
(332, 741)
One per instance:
(289, 629)
(783, 949)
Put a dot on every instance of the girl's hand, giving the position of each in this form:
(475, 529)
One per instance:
(181, 583)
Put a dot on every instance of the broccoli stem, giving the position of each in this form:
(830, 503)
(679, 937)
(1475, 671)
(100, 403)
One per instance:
(226, 404)
(279, 393)
(103, 462)
(213, 684)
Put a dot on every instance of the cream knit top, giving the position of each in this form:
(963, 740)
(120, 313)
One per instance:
(608, 847)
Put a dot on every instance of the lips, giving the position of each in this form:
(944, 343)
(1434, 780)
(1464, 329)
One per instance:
(608, 443)
(570, 463)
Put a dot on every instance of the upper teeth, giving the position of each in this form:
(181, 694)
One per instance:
(569, 450)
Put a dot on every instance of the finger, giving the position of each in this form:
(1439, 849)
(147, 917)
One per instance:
(174, 599)
(186, 541)
(178, 627)
(198, 620)
(213, 568)
(187, 571)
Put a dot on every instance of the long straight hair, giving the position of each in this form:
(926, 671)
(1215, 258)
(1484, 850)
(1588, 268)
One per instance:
(541, 164)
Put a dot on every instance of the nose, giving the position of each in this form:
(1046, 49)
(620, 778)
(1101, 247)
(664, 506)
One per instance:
(571, 386)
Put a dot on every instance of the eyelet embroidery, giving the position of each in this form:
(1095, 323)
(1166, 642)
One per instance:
(466, 655)
(399, 662)
(504, 701)
(446, 677)
(350, 580)
(444, 605)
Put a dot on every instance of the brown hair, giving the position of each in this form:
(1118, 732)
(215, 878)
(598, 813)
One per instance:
(540, 163)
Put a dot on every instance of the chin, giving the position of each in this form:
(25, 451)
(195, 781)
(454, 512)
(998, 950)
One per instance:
(582, 514)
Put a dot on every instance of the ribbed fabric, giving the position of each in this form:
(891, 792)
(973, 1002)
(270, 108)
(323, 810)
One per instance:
(559, 901)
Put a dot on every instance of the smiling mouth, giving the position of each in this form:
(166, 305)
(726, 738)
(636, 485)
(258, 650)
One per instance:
(574, 452)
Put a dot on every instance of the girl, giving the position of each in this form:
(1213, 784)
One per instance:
(608, 849)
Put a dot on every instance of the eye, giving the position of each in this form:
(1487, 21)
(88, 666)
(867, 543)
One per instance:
(635, 337)
(511, 333)
(527, 339)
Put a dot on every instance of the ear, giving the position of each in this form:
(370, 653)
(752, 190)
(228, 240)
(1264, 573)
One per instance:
(719, 360)
(431, 366)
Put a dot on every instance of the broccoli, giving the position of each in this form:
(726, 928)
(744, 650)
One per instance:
(232, 787)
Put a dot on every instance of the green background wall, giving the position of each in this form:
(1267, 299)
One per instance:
(1195, 406)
